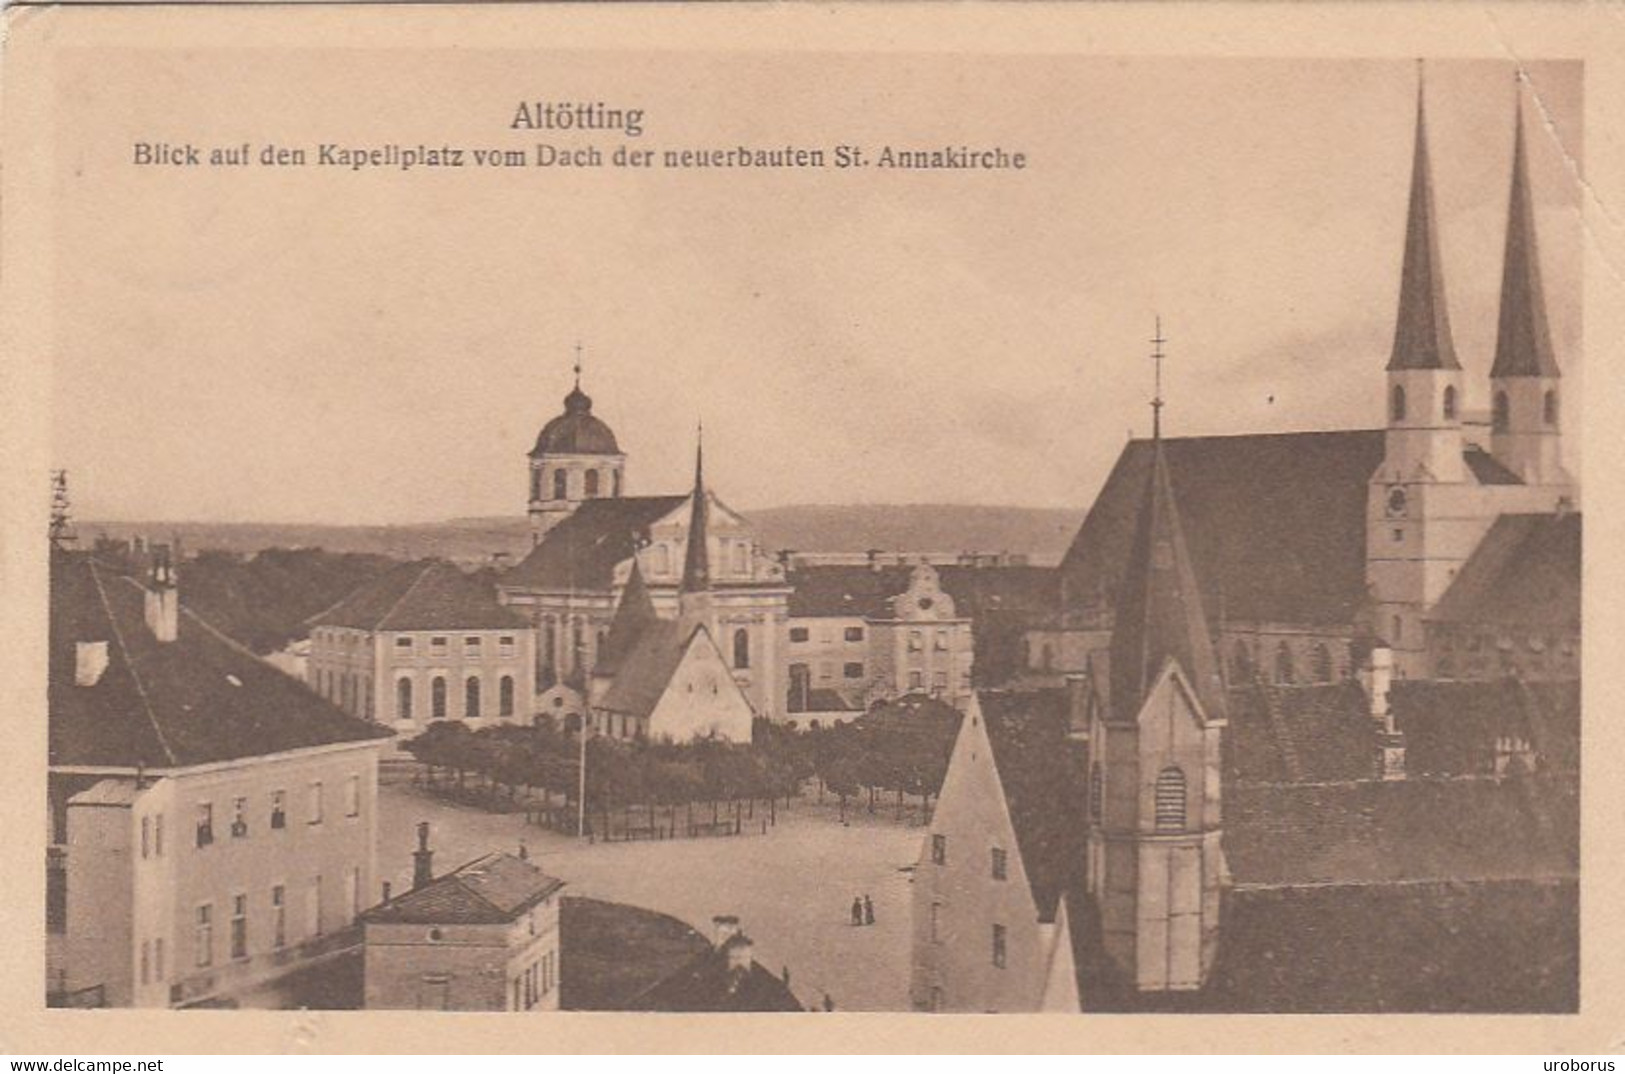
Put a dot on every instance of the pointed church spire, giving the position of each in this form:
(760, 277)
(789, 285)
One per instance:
(1523, 344)
(1422, 333)
(1158, 614)
(696, 559)
(633, 615)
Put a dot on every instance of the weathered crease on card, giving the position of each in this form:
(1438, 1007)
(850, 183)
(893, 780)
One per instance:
(1061, 527)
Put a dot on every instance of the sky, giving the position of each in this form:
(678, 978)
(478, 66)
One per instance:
(319, 345)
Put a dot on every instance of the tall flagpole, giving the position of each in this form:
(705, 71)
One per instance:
(581, 791)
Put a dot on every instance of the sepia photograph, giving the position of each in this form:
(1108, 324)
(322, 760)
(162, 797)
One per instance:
(543, 530)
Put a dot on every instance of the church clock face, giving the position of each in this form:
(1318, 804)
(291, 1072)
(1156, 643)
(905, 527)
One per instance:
(1396, 501)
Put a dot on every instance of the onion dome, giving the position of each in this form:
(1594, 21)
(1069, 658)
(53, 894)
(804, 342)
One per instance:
(576, 431)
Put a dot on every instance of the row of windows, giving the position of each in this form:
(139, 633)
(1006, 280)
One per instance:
(999, 860)
(473, 706)
(537, 980)
(238, 934)
(152, 827)
(1000, 951)
(440, 645)
(1501, 407)
(1284, 669)
(593, 483)
(802, 634)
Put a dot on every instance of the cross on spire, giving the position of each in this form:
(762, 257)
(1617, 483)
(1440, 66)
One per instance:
(578, 364)
(1156, 401)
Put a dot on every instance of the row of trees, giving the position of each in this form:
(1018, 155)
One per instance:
(898, 747)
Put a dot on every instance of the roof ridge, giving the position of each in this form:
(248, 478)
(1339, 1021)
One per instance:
(428, 565)
(129, 662)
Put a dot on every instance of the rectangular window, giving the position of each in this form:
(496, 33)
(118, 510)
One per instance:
(279, 916)
(1000, 865)
(403, 645)
(239, 818)
(158, 836)
(916, 680)
(936, 922)
(158, 959)
(203, 936)
(939, 850)
(942, 641)
(239, 926)
(146, 841)
(437, 646)
(998, 946)
(939, 681)
(352, 796)
(146, 961)
(471, 645)
(798, 633)
(854, 633)
(853, 670)
(313, 907)
(316, 802)
(279, 809)
(505, 645)
(205, 823)
(915, 642)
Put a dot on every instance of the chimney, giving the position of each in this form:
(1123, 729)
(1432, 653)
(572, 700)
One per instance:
(162, 604)
(422, 858)
(1377, 676)
(724, 927)
(738, 951)
(89, 662)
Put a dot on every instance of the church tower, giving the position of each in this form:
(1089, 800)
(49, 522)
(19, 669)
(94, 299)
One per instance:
(695, 605)
(1423, 518)
(1526, 403)
(575, 459)
(1155, 863)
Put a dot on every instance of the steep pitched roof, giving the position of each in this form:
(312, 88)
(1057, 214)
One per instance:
(1451, 728)
(581, 552)
(1275, 524)
(646, 669)
(1526, 571)
(1523, 342)
(634, 614)
(198, 699)
(490, 890)
(428, 595)
(1307, 733)
(843, 590)
(1042, 790)
(1159, 613)
(1422, 331)
(696, 555)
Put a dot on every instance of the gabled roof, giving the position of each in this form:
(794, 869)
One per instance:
(646, 669)
(1159, 615)
(1422, 332)
(1451, 728)
(1300, 733)
(843, 590)
(710, 983)
(581, 552)
(634, 614)
(491, 890)
(1275, 524)
(427, 595)
(1526, 571)
(1523, 342)
(198, 699)
(1486, 468)
(1042, 788)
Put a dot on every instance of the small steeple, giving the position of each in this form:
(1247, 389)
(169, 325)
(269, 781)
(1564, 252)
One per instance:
(1523, 344)
(1158, 613)
(696, 559)
(1422, 334)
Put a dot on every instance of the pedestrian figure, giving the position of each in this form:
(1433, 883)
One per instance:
(868, 911)
(857, 910)
(829, 1004)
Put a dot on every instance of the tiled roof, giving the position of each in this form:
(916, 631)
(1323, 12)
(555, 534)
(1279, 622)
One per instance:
(1486, 468)
(581, 552)
(1275, 524)
(823, 699)
(1408, 830)
(428, 595)
(1525, 571)
(634, 615)
(647, 668)
(709, 983)
(1041, 786)
(1451, 728)
(198, 699)
(491, 890)
(1300, 733)
(856, 591)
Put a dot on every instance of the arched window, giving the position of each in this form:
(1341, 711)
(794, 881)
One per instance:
(1396, 406)
(741, 648)
(505, 696)
(437, 698)
(403, 699)
(536, 484)
(1501, 415)
(1322, 663)
(615, 481)
(561, 484)
(1450, 402)
(1549, 408)
(1284, 672)
(1241, 664)
(547, 654)
(578, 642)
(471, 698)
(1170, 800)
(1097, 792)
(592, 484)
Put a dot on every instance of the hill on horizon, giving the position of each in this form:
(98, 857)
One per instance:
(1040, 533)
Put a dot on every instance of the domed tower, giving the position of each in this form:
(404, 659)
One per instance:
(575, 458)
